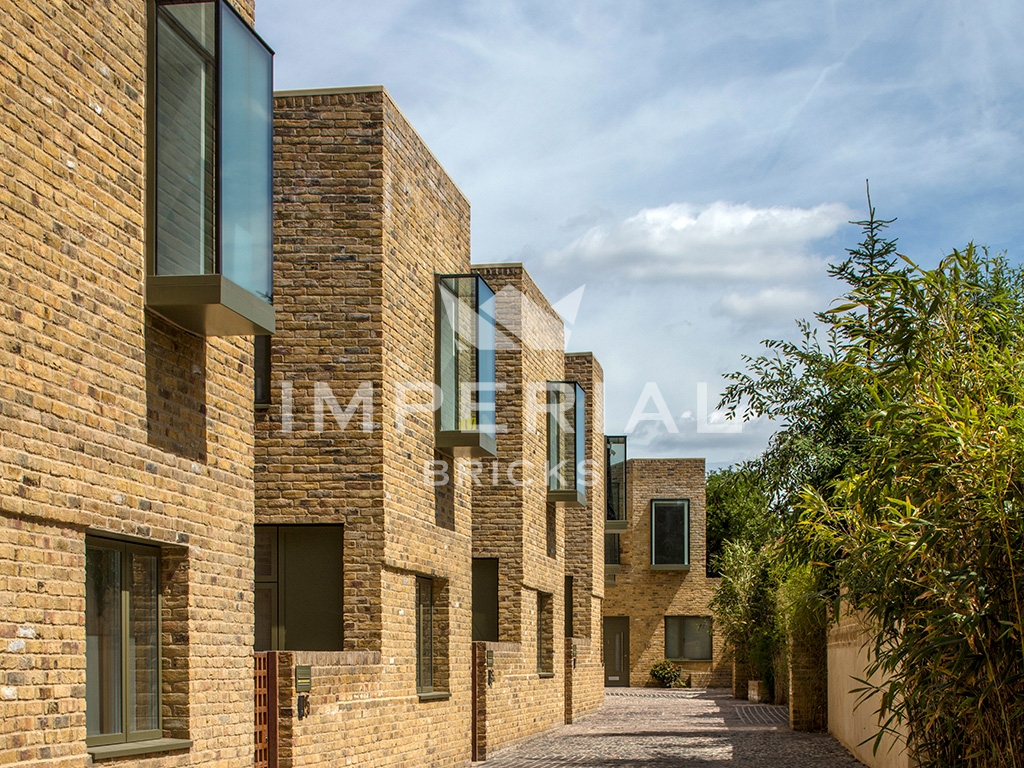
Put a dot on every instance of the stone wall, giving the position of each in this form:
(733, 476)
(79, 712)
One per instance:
(647, 596)
(90, 384)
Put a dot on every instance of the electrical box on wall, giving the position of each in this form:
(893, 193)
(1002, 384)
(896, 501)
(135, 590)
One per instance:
(303, 678)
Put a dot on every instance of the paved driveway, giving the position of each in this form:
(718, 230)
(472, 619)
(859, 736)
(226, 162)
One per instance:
(650, 728)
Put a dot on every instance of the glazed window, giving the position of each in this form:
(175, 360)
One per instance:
(211, 263)
(670, 534)
(688, 638)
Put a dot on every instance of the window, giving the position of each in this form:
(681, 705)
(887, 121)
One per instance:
(431, 638)
(688, 638)
(566, 442)
(569, 605)
(551, 529)
(122, 643)
(261, 371)
(299, 588)
(615, 479)
(465, 365)
(545, 634)
(670, 534)
(211, 265)
(485, 599)
(612, 549)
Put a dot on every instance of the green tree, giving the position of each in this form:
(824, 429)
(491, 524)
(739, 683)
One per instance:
(737, 511)
(926, 530)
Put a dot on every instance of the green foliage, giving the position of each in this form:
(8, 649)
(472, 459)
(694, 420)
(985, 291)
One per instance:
(666, 674)
(930, 524)
(737, 510)
(898, 473)
(745, 606)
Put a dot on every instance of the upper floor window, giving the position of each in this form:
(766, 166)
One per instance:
(465, 365)
(615, 474)
(688, 638)
(670, 534)
(210, 266)
(566, 442)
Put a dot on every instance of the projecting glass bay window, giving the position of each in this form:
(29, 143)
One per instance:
(211, 233)
(615, 474)
(670, 534)
(566, 442)
(465, 365)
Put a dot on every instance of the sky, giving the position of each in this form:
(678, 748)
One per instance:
(694, 165)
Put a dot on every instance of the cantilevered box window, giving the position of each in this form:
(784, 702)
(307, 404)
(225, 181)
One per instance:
(615, 478)
(210, 230)
(465, 365)
(670, 534)
(566, 442)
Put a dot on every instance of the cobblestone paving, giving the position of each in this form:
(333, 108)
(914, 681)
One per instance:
(640, 728)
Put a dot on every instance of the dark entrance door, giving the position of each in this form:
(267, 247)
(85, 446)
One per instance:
(616, 651)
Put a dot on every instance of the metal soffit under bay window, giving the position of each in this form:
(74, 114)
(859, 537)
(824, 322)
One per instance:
(210, 125)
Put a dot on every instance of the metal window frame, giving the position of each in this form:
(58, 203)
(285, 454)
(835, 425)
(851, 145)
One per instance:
(655, 566)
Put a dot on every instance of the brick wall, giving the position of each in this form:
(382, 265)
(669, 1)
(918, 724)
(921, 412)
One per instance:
(365, 218)
(510, 518)
(584, 551)
(646, 595)
(87, 389)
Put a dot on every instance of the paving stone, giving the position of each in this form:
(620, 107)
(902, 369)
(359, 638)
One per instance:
(642, 728)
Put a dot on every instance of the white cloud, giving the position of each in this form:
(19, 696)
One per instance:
(776, 303)
(724, 241)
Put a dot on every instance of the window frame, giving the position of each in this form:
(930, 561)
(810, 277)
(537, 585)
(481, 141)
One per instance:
(615, 516)
(545, 634)
(275, 583)
(567, 485)
(126, 736)
(682, 638)
(666, 566)
(205, 303)
(432, 657)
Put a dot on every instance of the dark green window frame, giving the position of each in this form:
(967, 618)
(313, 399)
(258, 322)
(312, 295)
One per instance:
(464, 361)
(209, 182)
(299, 588)
(123, 652)
(670, 534)
(688, 638)
(566, 423)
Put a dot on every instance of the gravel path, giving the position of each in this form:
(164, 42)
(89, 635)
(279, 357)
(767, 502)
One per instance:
(643, 728)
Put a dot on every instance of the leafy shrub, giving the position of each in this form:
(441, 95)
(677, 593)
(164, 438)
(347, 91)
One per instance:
(666, 674)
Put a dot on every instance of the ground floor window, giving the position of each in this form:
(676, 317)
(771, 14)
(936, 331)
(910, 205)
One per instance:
(688, 638)
(431, 636)
(299, 588)
(122, 642)
(485, 598)
(545, 633)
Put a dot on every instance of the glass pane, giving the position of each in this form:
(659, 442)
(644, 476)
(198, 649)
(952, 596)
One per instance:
(265, 598)
(265, 559)
(671, 537)
(184, 152)
(197, 19)
(102, 641)
(579, 425)
(486, 370)
(612, 550)
(673, 637)
(556, 402)
(697, 637)
(485, 599)
(448, 357)
(615, 467)
(144, 643)
(424, 634)
(312, 587)
(245, 194)
(261, 370)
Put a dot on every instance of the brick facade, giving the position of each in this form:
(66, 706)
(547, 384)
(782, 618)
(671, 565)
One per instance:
(112, 421)
(365, 217)
(647, 596)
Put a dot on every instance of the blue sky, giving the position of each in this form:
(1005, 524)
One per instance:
(694, 164)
